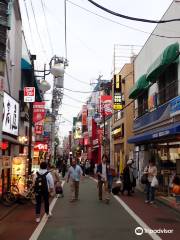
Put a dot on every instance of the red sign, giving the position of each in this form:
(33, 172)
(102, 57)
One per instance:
(38, 111)
(29, 94)
(106, 105)
(38, 129)
(3, 145)
(84, 116)
(39, 146)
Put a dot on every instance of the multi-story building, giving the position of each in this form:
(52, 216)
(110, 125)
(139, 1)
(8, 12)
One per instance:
(157, 96)
(122, 120)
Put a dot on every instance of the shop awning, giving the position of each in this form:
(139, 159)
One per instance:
(140, 85)
(160, 133)
(168, 56)
(25, 65)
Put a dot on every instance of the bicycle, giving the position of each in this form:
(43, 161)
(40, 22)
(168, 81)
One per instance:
(29, 193)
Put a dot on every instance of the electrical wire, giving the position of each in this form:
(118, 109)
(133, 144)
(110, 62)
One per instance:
(123, 25)
(74, 99)
(132, 18)
(65, 104)
(70, 90)
(42, 46)
(76, 79)
(27, 14)
(47, 28)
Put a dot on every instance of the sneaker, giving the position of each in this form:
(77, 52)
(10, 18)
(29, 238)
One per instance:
(38, 219)
(147, 201)
(152, 202)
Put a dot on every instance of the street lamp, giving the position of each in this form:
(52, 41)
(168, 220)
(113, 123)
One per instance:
(57, 66)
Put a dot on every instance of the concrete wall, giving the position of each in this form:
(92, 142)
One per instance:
(14, 53)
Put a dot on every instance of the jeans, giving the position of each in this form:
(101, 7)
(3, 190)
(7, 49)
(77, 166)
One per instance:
(106, 189)
(39, 197)
(74, 190)
(150, 192)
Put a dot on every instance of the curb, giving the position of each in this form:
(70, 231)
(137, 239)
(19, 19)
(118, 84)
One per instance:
(165, 203)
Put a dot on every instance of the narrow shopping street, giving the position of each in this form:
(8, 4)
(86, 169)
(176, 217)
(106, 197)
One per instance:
(90, 219)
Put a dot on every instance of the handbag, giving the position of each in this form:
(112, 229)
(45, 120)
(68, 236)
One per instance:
(144, 179)
(154, 182)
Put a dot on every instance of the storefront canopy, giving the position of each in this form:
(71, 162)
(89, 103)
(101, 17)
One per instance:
(140, 85)
(161, 133)
(25, 65)
(168, 56)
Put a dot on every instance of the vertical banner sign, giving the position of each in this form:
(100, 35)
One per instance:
(29, 94)
(38, 111)
(84, 115)
(106, 105)
(117, 101)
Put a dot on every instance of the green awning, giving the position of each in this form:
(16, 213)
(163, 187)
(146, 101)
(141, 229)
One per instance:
(25, 65)
(140, 85)
(168, 56)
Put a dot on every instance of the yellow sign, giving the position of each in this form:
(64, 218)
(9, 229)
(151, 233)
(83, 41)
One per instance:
(117, 107)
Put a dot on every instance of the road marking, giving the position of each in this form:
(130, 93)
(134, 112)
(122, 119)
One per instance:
(43, 221)
(154, 236)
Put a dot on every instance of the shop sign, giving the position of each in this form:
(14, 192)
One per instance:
(29, 94)
(175, 107)
(38, 129)
(3, 145)
(6, 162)
(161, 134)
(78, 130)
(38, 111)
(84, 115)
(40, 147)
(117, 101)
(106, 105)
(10, 115)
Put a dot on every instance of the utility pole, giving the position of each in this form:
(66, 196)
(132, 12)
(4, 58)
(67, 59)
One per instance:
(33, 57)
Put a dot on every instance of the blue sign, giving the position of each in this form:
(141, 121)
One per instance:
(175, 106)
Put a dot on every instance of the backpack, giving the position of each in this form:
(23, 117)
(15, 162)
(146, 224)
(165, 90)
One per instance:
(41, 185)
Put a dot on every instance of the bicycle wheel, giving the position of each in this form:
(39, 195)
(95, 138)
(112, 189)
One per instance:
(9, 198)
(14, 189)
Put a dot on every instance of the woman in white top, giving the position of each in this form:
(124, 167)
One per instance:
(151, 171)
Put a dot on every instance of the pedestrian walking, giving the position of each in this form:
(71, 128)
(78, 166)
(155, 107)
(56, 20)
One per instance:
(87, 167)
(57, 181)
(151, 172)
(74, 175)
(103, 177)
(43, 186)
(127, 178)
(64, 168)
(176, 189)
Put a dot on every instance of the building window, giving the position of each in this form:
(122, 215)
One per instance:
(142, 103)
(168, 84)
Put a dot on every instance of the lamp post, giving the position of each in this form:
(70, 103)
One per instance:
(57, 70)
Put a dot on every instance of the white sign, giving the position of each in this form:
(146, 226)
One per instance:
(29, 94)
(10, 115)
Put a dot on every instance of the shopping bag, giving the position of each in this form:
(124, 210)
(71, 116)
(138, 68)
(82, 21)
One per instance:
(154, 182)
(144, 179)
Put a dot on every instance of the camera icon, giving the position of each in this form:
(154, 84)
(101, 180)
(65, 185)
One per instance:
(139, 231)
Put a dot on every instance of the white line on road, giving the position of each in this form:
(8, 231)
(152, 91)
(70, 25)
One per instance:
(44, 220)
(154, 236)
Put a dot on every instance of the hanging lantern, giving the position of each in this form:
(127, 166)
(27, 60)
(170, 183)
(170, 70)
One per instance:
(58, 70)
(44, 86)
(17, 161)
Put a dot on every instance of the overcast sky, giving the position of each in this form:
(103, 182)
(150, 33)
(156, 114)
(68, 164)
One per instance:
(90, 40)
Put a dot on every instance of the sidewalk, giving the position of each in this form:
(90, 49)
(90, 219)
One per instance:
(5, 211)
(169, 202)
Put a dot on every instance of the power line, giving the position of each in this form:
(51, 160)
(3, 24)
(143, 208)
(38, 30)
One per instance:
(131, 18)
(80, 91)
(65, 104)
(123, 25)
(42, 46)
(74, 99)
(76, 79)
(47, 28)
